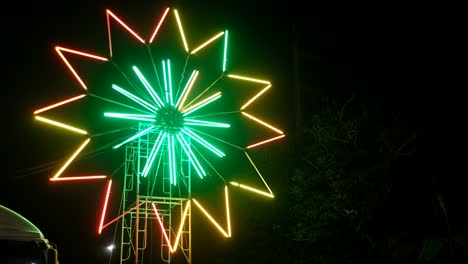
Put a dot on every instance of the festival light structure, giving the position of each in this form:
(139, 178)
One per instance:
(175, 123)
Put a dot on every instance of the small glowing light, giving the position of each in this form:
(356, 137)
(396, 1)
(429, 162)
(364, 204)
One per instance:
(110, 248)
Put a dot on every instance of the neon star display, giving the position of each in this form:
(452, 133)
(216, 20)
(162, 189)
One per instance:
(177, 108)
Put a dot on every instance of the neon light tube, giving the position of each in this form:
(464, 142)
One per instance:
(193, 159)
(171, 156)
(166, 92)
(70, 67)
(245, 187)
(201, 104)
(125, 26)
(148, 87)
(159, 25)
(122, 215)
(203, 142)
(265, 141)
(195, 122)
(79, 178)
(58, 48)
(137, 135)
(163, 230)
(228, 214)
(263, 123)
(59, 104)
(181, 30)
(169, 77)
(207, 42)
(182, 223)
(247, 79)
(71, 159)
(135, 98)
(225, 50)
(146, 118)
(104, 208)
(185, 92)
(55, 123)
(154, 151)
(255, 97)
(221, 230)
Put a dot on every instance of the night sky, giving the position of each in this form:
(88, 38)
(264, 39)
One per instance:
(341, 49)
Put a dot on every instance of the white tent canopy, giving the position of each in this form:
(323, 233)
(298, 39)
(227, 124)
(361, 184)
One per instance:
(15, 226)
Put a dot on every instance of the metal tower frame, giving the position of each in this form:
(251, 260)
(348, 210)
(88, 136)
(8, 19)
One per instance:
(141, 193)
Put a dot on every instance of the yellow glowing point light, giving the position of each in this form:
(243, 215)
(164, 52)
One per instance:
(59, 104)
(159, 25)
(247, 79)
(59, 51)
(221, 230)
(255, 97)
(125, 26)
(252, 189)
(104, 208)
(71, 159)
(179, 232)
(263, 123)
(79, 178)
(265, 141)
(207, 42)
(181, 30)
(55, 123)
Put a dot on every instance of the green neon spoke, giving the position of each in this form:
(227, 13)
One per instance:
(169, 77)
(193, 159)
(186, 90)
(135, 98)
(217, 139)
(203, 103)
(154, 151)
(148, 87)
(172, 155)
(118, 103)
(137, 135)
(148, 118)
(203, 142)
(165, 82)
(195, 122)
(225, 50)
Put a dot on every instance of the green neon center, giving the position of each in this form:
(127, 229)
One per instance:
(169, 119)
